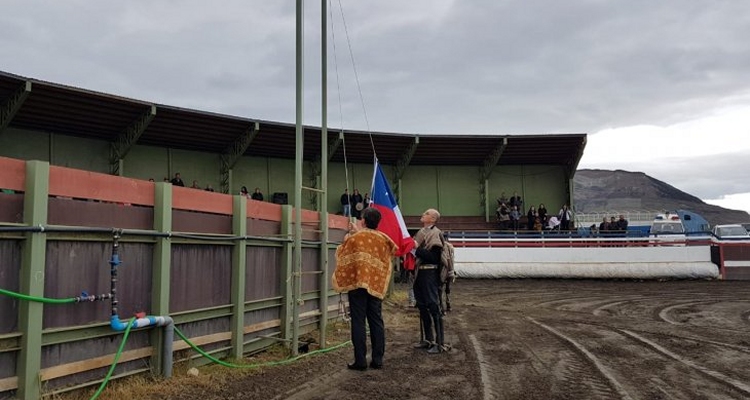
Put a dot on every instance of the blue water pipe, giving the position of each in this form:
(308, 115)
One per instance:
(120, 325)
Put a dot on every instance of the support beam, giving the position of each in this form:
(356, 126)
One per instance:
(333, 146)
(405, 159)
(313, 178)
(10, 108)
(488, 165)
(572, 167)
(400, 168)
(233, 153)
(127, 140)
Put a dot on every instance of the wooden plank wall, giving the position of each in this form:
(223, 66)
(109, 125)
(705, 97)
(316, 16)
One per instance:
(78, 345)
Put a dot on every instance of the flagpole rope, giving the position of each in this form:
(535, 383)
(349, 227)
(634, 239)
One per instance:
(338, 91)
(356, 77)
(342, 308)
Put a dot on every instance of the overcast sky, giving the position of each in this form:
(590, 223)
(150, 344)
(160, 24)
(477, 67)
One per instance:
(661, 87)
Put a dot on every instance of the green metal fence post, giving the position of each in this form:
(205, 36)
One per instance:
(32, 280)
(287, 274)
(162, 264)
(239, 268)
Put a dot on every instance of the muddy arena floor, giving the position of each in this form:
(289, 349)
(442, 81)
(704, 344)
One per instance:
(541, 339)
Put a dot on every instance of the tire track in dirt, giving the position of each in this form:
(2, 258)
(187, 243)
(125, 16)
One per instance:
(718, 376)
(663, 312)
(488, 391)
(601, 337)
(500, 353)
(742, 348)
(611, 387)
(704, 318)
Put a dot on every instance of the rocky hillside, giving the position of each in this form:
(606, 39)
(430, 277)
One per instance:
(619, 191)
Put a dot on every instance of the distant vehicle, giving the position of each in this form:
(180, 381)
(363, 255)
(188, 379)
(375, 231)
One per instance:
(730, 231)
(668, 228)
(695, 225)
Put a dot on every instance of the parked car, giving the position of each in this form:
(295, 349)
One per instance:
(730, 231)
(668, 229)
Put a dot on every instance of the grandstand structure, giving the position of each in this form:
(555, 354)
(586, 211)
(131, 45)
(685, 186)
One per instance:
(461, 175)
(74, 177)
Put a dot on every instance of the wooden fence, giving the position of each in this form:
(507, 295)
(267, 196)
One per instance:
(220, 265)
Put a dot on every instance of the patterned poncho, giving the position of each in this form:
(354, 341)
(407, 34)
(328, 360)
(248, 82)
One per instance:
(427, 238)
(364, 261)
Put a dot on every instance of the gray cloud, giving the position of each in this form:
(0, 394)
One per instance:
(425, 66)
(479, 66)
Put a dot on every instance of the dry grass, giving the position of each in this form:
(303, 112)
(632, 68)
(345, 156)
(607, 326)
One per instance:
(142, 386)
(210, 376)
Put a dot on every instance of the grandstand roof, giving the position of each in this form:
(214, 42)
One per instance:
(79, 112)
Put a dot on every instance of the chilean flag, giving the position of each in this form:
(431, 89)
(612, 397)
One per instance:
(392, 222)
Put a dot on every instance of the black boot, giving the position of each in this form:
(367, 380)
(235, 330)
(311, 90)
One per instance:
(439, 346)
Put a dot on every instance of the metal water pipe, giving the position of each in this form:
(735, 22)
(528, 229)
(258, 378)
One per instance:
(120, 325)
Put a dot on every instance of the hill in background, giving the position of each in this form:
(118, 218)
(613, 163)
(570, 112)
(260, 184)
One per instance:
(618, 191)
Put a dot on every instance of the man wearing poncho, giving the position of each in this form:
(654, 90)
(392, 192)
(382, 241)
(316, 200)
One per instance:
(429, 247)
(363, 269)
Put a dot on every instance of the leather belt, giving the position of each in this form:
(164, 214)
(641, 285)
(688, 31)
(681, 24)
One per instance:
(427, 267)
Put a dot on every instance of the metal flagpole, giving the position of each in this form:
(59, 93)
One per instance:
(297, 255)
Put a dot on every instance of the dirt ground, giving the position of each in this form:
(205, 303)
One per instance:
(539, 339)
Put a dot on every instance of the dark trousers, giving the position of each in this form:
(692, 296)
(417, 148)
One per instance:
(363, 306)
(427, 293)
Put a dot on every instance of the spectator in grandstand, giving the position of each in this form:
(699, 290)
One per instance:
(195, 185)
(367, 200)
(622, 223)
(151, 179)
(502, 199)
(209, 188)
(515, 217)
(243, 191)
(177, 180)
(593, 231)
(357, 203)
(553, 223)
(538, 224)
(166, 179)
(565, 216)
(503, 216)
(604, 226)
(530, 217)
(257, 195)
(541, 211)
(516, 201)
(346, 203)
(613, 226)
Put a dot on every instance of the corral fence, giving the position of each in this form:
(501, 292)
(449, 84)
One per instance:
(220, 265)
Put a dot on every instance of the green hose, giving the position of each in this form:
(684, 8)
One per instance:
(114, 363)
(37, 299)
(266, 364)
(177, 331)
